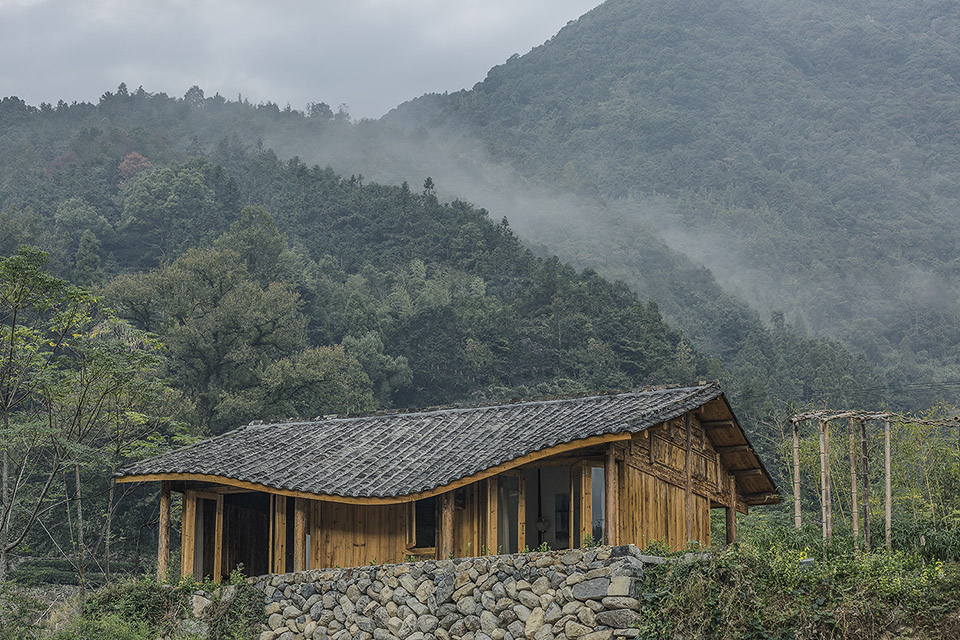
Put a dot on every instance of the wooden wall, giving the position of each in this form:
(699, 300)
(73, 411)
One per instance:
(348, 535)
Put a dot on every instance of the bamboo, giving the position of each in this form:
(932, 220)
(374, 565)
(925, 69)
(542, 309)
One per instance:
(163, 536)
(854, 498)
(797, 517)
(864, 460)
(888, 501)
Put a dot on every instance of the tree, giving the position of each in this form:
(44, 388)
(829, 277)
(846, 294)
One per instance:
(65, 361)
(218, 322)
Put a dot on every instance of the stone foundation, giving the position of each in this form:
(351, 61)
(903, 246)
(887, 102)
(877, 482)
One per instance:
(589, 594)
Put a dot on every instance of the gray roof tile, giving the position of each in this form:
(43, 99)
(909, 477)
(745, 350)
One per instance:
(404, 453)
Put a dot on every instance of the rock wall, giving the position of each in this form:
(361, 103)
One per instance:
(589, 594)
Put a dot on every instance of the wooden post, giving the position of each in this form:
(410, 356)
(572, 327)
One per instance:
(446, 525)
(188, 530)
(299, 534)
(586, 502)
(864, 461)
(823, 482)
(279, 541)
(688, 480)
(888, 499)
(797, 522)
(522, 509)
(826, 441)
(731, 512)
(492, 517)
(611, 498)
(854, 498)
(218, 541)
(270, 535)
(163, 536)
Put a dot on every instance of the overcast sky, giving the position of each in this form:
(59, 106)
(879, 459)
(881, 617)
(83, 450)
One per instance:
(368, 54)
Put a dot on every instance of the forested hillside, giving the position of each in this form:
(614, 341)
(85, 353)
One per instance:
(806, 152)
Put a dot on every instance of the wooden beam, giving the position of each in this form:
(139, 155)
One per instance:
(188, 531)
(717, 424)
(854, 493)
(611, 498)
(218, 541)
(736, 448)
(688, 479)
(446, 525)
(163, 535)
(731, 513)
(747, 473)
(796, 476)
(480, 475)
(887, 497)
(300, 534)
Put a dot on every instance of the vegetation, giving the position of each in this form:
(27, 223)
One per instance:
(759, 590)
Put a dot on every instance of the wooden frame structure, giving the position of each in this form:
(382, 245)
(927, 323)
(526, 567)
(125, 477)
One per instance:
(653, 484)
(859, 469)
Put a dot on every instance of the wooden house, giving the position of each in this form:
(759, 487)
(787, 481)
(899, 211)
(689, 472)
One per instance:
(299, 494)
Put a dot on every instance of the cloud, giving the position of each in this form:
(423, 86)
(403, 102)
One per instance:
(369, 54)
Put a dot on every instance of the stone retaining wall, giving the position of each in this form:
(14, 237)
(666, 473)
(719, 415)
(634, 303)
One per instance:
(588, 594)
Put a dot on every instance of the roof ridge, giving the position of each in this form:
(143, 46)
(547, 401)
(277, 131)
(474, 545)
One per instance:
(444, 410)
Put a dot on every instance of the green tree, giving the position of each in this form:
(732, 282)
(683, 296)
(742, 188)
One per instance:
(63, 364)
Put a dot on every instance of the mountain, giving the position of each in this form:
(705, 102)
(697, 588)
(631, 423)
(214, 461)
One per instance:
(806, 152)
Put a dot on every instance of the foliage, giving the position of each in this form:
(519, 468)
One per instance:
(757, 589)
(72, 379)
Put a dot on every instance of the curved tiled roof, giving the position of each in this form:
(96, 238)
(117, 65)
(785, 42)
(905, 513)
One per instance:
(405, 453)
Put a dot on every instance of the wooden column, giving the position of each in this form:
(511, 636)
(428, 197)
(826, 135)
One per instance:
(826, 440)
(797, 517)
(446, 525)
(611, 498)
(522, 515)
(300, 534)
(866, 485)
(586, 502)
(493, 524)
(688, 480)
(218, 541)
(279, 541)
(731, 513)
(888, 498)
(188, 533)
(163, 535)
(823, 481)
(854, 497)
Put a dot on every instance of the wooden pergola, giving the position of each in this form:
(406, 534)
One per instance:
(859, 467)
